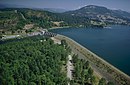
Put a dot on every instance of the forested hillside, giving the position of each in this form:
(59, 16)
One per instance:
(32, 61)
(11, 20)
(23, 20)
(103, 14)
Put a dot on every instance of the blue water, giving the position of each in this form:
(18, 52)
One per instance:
(112, 44)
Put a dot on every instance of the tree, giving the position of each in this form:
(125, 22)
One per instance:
(102, 81)
(1, 36)
(110, 83)
(32, 83)
(86, 65)
(63, 43)
(90, 71)
(93, 80)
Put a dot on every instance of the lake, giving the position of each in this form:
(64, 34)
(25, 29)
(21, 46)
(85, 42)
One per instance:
(111, 44)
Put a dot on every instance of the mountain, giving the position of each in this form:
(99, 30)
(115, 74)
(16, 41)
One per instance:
(102, 14)
(55, 10)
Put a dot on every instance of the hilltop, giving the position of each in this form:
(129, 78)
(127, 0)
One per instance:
(102, 14)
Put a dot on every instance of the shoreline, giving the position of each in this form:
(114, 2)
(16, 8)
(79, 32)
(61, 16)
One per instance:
(52, 28)
(115, 73)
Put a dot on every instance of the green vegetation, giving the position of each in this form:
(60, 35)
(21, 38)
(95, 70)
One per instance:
(22, 20)
(102, 81)
(32, 61)
(15, 20)
(83, 73)
(39, 18)
(9, 20)
(38, 61)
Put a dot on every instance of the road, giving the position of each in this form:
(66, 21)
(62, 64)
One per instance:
(69, 68)
(23, 16)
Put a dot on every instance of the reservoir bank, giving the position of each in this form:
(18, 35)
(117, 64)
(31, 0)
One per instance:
(112, 44)
(113, 73)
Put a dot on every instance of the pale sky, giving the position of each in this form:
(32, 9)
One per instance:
(70, 4)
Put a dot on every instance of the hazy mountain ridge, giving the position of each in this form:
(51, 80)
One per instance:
(55, 10)
(102, 14)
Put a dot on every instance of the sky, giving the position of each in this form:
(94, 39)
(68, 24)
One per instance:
(70, 4)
